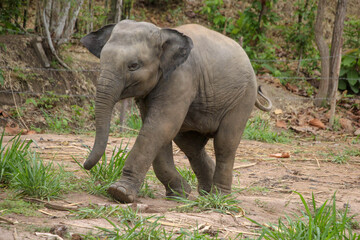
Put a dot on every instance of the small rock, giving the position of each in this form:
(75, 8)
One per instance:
(59, 230)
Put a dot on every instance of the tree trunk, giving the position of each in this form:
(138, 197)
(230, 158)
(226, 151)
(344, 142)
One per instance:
(329, 63)
(336, 44)
(321, 97)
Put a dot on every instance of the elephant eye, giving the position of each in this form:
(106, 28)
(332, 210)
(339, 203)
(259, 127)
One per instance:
(134, 66)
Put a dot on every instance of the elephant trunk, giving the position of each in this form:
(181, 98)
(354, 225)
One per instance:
(106, 97)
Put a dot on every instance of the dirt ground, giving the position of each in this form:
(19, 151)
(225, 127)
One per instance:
(265, 186)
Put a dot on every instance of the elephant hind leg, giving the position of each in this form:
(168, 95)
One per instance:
(226, 141)
(193, 145)
(166, 172)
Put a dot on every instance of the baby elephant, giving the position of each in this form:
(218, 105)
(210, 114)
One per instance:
(190, 84)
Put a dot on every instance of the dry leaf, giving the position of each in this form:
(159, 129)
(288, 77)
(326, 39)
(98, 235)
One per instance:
(303, 129)
(278, 111)
(291, 88)
(281, 124)
(346, 124)
(357, 132)
(317, 123)
(281, 155)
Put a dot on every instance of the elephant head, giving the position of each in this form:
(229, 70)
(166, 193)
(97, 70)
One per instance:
(134, 57)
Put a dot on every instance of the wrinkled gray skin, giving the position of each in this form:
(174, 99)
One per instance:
(190, 84)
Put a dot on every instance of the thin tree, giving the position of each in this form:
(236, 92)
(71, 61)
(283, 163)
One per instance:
(329, 62)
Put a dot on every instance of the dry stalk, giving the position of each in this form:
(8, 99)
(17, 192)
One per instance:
(16, 107)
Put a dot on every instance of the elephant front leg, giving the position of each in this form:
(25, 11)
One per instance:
(165, 170)
(159, 128)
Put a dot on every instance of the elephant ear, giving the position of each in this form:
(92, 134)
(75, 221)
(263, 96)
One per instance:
(175, 48)
(95, 41)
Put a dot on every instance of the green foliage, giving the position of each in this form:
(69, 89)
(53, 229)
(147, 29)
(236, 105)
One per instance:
(350, 64)
(252, 26)
(97, 18)
(213, 10)
(77, 115)
(300, 35)
(2, 79)
(259, 129)
(10, 14)
(107, 171)
(210, 202)
(47, 101)
(324, 222)
(57, 123)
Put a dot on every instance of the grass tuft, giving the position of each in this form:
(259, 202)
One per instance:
(259, 129)
(189, 176)
(324, 222)
(32, 177)
(210, 202)
(25, 172)
(107, 171)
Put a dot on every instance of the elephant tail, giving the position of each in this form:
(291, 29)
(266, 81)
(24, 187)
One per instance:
(258, 104)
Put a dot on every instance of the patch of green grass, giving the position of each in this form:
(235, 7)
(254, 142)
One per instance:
(356, 140)
(107, 171)
(210, 202)
(339, 158)
(258, 128)
(142, 228)
(32, 177)
(19, 206)
(354, 152)
(146, 191)
(25, 172)
(189, 176)
(96, 212)
(324, 222)
(11, 153)
(37, 228)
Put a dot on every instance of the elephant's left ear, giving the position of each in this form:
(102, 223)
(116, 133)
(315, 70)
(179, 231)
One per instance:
(95, 41)
(175, 48)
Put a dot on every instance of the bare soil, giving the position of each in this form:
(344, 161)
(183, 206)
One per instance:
(262, 183)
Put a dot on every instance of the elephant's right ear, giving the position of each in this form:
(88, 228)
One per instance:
(95, 41)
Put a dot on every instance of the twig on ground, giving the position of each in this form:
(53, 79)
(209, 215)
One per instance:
(317, 161)
(15, 235)
(245, 166)
(7, 220)
(50, 205)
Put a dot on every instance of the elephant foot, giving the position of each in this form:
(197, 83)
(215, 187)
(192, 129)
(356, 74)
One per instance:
(204, 188)
(182, 189)
(122, 192)
(221, 190)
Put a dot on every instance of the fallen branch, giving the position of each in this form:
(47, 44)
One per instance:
(50, 205)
